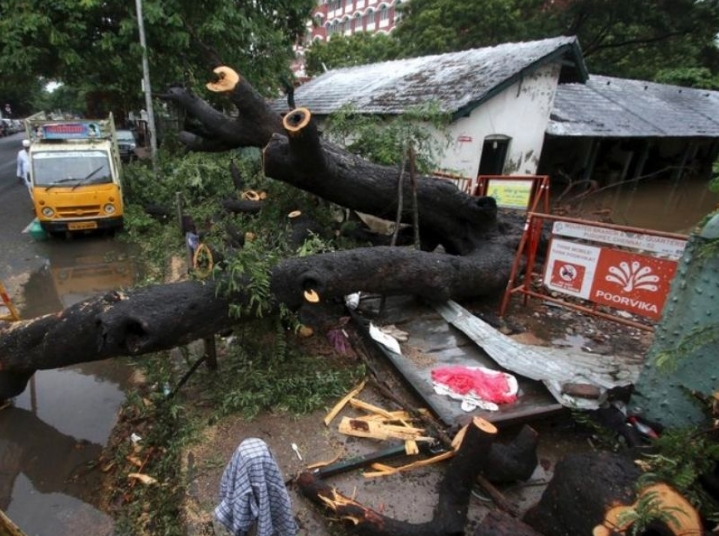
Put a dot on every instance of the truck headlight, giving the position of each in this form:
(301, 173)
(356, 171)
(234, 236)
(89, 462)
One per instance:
(109, 208)
(48, 212)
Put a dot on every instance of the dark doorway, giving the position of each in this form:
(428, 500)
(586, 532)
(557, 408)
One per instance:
(494, 153)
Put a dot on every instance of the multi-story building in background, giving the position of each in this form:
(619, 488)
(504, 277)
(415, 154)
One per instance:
(347, 17)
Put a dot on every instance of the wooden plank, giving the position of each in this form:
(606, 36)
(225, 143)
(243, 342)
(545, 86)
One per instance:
(342, 403)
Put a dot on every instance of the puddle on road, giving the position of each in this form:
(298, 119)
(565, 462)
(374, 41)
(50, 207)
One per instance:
(59, 425)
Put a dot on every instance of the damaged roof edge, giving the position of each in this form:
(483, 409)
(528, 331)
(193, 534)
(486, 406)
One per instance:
(577, 69)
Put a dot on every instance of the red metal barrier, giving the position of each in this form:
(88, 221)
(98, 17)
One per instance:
(597, 264)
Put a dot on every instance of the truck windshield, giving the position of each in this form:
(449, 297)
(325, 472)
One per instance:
(69, 168)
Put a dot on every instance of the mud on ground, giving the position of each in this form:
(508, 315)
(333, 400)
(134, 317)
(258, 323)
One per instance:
(409, 496)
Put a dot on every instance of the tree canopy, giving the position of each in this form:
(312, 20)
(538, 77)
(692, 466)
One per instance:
(93, 45)
(671, 41)
(348, 51)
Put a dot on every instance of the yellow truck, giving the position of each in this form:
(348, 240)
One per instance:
(75, 174)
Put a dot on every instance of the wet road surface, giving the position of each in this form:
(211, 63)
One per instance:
(54, 432)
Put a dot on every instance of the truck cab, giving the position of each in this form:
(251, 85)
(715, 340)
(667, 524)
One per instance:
(75, 175)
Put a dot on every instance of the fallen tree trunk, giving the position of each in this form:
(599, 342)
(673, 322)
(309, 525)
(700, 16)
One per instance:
(497, 523)
(601, 487)
(160, 317)
(513, 460)
(294, 153)
(450, 514)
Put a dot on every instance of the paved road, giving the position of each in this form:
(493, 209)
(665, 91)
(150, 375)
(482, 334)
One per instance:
(19, 253)
(61, 422)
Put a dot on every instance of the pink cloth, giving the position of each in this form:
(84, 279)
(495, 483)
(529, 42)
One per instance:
(492, 387)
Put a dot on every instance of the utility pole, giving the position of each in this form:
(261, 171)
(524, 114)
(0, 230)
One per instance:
(147, 88)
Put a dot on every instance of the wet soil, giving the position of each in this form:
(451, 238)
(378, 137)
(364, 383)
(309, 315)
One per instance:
(409, 496)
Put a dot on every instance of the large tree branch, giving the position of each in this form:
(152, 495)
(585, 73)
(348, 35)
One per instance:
(461, 223)
(254, 126)
(632, 42)
(160, 317)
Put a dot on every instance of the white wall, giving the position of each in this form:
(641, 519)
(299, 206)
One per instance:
(520, 112)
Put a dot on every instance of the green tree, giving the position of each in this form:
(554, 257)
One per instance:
(641, 38)
(644, 39)
(690, 77)
(348, 51)
(93, 45)
(438, 26)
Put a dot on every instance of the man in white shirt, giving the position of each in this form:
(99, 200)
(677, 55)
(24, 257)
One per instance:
(23, 164)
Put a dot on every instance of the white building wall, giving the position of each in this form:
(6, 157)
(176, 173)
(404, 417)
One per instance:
(520, 112)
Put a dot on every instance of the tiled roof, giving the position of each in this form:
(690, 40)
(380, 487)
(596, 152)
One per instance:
(616, 107)
(457, 81)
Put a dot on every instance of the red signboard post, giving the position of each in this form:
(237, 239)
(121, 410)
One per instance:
(614, 266)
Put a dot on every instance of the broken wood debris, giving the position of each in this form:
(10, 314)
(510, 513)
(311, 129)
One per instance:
(145, 479)
(454, 492)
(375, 429)
(342, 403)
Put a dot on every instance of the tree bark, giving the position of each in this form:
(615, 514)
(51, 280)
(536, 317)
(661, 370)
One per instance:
(596, 480)
(497, 523)
(160, 317)
(513, 460)
(294, 153)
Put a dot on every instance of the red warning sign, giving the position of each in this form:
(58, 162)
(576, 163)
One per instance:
(567, 276)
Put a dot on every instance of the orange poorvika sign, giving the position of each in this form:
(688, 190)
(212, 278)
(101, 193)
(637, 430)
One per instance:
(622, 279)
(620, 267)
(627, 281)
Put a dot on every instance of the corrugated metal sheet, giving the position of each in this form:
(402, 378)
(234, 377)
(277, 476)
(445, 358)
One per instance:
(456, 81)
(616, 107)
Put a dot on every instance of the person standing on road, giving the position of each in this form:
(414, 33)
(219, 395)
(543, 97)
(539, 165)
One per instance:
(23, 164)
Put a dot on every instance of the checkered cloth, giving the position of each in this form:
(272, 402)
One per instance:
(252, 490)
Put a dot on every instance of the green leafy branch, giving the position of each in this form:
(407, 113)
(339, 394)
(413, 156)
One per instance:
(680, 458)
(648, 510)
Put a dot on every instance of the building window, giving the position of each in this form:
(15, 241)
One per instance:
(358, 23)
(383, 13)
(348, 5)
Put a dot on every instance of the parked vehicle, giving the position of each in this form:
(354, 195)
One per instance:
(126, 143)
(75, 174)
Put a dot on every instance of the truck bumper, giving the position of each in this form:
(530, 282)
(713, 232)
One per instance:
(97, 224)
